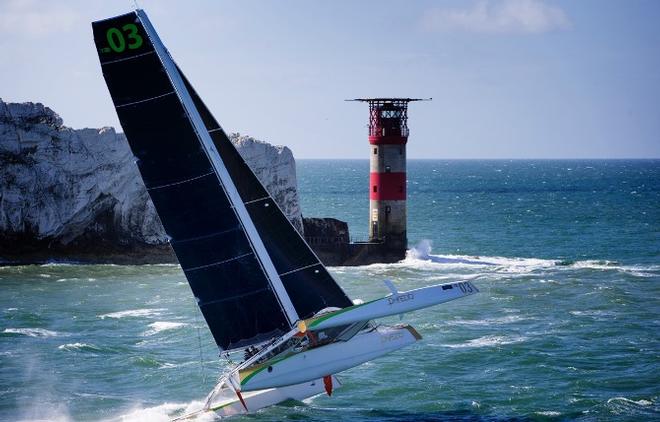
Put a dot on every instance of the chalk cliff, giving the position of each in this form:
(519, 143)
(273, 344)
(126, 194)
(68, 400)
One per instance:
(76, 194)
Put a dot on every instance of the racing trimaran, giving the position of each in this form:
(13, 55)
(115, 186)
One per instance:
(258, 284)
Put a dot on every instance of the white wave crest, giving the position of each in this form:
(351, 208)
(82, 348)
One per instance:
(132, 313)
(158, 326)
(166, 411)
(641, 402)
(549, 413)
(32, 332)
(420, 257)
(421, 253)
(487, 341)
(77, 347)
(489, 321)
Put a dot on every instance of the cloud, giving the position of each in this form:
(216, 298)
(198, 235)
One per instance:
(500, 16)
(35, 19)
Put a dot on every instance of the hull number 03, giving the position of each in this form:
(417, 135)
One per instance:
(118, 40)
(466, 287)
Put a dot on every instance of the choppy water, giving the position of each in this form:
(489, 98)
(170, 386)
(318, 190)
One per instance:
(567, 325)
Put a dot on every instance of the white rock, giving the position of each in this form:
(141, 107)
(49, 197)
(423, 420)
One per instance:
(60, 183)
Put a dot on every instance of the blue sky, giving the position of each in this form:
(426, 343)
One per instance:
(509, 78)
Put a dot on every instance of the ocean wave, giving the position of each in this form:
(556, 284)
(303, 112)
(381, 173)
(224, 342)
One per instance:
(487, 341)
(165, 412)
(641, 408)
(32, 332)
(420, 257)
(78, 347)
(625, 400)
(488, 321)
(548, 413)
(158, 326)
(132, 313)
(592, 313)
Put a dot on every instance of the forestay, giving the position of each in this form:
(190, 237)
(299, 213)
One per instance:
(250, 271)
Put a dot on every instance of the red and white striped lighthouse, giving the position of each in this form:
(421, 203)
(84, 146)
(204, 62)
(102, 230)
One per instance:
(388, 135)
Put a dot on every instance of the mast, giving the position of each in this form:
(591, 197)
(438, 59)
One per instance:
(221, 170)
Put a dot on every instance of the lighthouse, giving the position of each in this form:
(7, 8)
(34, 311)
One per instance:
(388, 136)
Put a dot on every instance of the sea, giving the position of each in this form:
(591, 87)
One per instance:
(566, 254)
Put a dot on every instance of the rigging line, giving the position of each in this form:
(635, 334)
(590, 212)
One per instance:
(167, 185)
(145, 100)
(201, 354)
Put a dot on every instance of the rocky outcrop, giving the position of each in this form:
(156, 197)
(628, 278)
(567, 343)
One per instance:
(76, 194)
(325, 231)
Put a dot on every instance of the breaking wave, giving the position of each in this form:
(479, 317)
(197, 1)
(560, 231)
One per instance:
(509, 319)
(158, 326)
(420, 256)
(132, 313)
(31, 332)
(487, 341)
(165, 412)
(78, 347)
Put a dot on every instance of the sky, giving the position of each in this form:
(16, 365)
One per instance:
(508, 78)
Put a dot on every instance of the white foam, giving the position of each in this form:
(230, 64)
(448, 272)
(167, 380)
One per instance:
(550, 413)
(590, 313)
(640, 402)
(77, 346)
(421, 254)
(32, 332)
(158, 326)
(166, 411)
(487, 341)
(420, 257)
(488, 321)
(132, 313)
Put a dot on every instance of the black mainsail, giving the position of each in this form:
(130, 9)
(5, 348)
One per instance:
(251, 272)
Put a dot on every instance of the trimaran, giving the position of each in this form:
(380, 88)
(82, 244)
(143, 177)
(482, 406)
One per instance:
(258, 284)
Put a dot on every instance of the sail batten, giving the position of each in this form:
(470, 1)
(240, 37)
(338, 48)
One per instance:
(146, 99)
(180, 182)
(213, 264)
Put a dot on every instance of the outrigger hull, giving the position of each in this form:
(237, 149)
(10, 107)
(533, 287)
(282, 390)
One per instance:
(326, 360)
(259, 399)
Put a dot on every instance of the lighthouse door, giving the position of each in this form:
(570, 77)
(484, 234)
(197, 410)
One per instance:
(374, 230)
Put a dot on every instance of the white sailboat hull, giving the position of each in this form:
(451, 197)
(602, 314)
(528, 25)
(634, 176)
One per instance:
(228, 404)
(330, 359)
(396, 303)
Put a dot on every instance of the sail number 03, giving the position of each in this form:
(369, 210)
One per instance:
(117, 39)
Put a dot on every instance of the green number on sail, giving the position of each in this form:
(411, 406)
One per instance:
(116, 40)
(133, 36)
